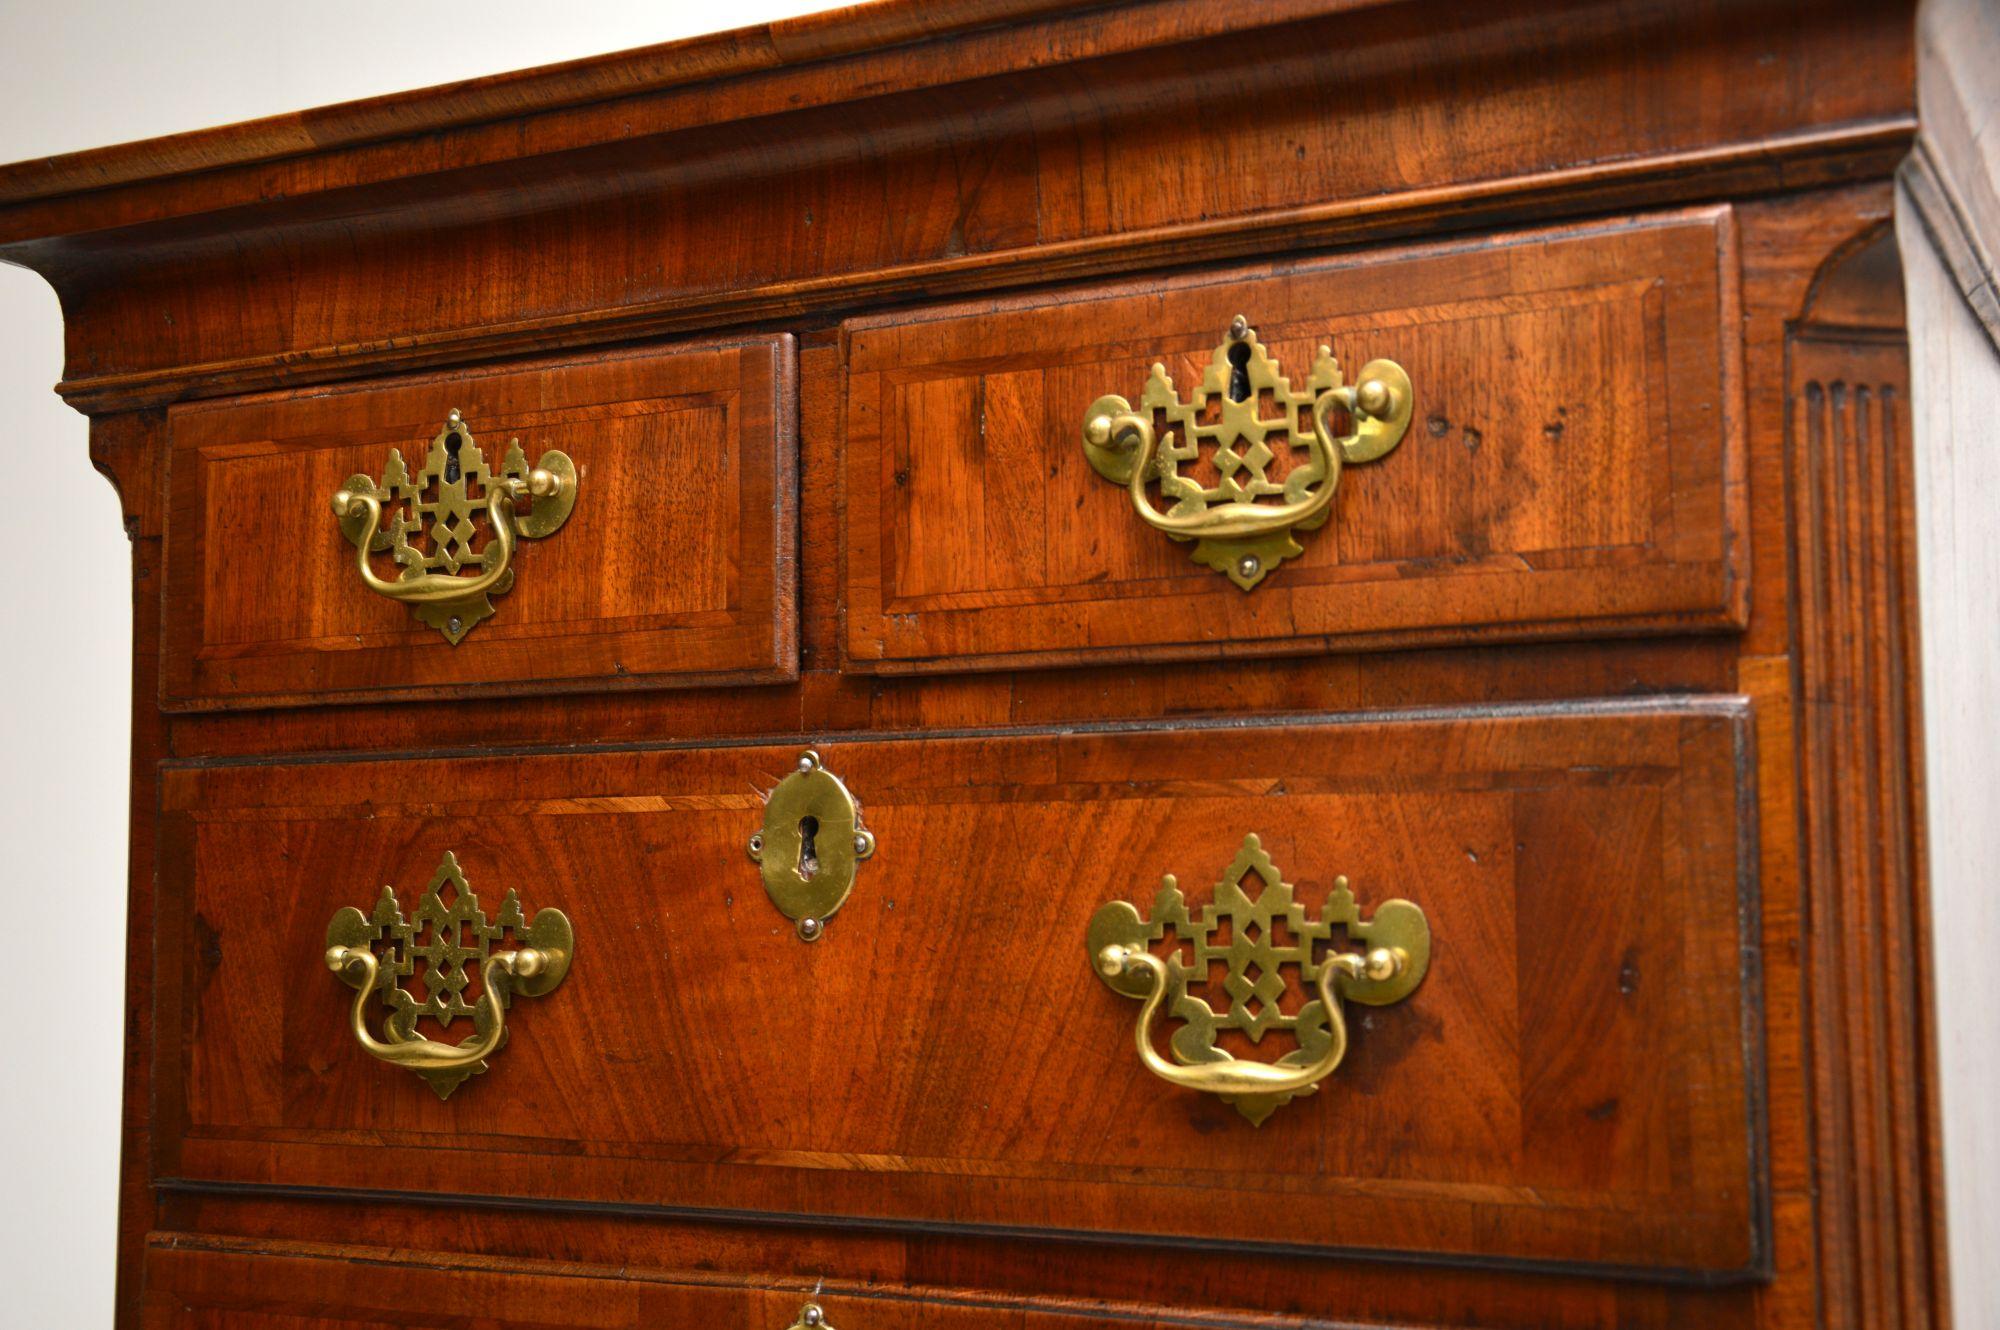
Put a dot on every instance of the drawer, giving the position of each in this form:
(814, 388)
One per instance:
(674, 564)
(1572, 465)
(220, 1286)
(1574, 1082)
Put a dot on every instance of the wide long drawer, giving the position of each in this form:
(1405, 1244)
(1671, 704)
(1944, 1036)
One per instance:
(1574, 1081)
(197, 1286)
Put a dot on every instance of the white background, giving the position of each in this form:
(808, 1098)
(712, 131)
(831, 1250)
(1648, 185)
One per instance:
(78, 74)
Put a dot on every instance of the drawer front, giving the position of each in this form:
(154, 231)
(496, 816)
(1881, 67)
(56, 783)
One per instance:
(1572, 467)
(220, 1287)
(1574, 1082)
(674, 566)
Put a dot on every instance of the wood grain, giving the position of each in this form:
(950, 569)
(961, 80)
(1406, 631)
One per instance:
(1850, 384)
(1582, 872)
(130, 451)
(677, 566)
(1527, 168)
(295, 1286)
(1552, 483)
(951, 165)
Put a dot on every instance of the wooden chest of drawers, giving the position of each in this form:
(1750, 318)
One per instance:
(1175, 663)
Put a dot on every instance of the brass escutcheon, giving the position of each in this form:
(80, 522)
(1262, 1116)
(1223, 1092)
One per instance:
(810, 845)
(432, 537)
(1396, 952)
(1233, 532)
(447, 935)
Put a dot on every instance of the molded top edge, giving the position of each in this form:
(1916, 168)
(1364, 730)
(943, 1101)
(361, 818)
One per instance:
(782, 45)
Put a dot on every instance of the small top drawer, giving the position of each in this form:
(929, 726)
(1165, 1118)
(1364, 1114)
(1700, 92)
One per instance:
(1571, 466)
(665, 558)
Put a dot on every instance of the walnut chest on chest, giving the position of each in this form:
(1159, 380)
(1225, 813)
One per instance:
(993, 664)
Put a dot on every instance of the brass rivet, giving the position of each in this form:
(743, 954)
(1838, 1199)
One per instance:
(454, 623)
(810, 929)
(808, 760)
(1239, 328)
(810, 1314)
(1248, 565)
(861, 845)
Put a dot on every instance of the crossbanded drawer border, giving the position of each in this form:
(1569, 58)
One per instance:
(1733, 709)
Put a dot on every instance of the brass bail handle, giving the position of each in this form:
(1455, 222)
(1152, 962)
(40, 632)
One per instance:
(430, 582)
(448, 935)
(1240, 928)
(1235, 529)
(358, 967)
(1238, 1077)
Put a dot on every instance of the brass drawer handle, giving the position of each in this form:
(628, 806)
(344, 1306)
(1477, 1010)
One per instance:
(430, 583)
(446, 937)
(1234, 533)
(1398, 947)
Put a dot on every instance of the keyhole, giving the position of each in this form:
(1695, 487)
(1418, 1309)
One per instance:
(451, 471)
(1239, 373)
(808, 851)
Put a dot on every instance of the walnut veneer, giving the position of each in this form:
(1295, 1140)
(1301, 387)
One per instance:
(1608, 667)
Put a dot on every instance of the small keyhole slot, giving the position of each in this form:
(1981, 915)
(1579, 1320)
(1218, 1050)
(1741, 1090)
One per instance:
(1239, 372)
(451, 470)
(808, 850)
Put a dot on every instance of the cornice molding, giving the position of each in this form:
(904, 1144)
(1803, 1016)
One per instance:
(1952, 177)
(1793, 161)
(1953, 233)
(817, 60)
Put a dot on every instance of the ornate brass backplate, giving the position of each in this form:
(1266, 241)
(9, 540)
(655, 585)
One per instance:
(1234, 527)
(810, 844)
(1254, 936)
(431, 529)
(371, 952)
